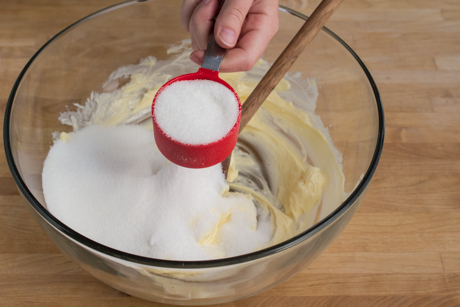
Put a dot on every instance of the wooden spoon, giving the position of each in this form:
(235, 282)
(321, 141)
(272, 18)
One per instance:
(283, 63)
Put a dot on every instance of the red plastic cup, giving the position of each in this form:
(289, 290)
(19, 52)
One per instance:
(199, 155)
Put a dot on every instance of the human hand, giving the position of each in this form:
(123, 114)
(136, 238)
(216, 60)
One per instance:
(243, 27)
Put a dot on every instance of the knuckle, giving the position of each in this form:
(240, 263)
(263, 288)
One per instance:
(275, 27)
(275, 23)
(194, 45)
(248, 62)
(185, 24)
(236, 15)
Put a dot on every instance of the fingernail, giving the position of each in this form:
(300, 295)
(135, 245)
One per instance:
(228, 36)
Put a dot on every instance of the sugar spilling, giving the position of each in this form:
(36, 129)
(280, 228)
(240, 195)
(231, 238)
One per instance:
(111, 184)
(197, 111)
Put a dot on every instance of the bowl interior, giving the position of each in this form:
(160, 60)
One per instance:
(80, 59)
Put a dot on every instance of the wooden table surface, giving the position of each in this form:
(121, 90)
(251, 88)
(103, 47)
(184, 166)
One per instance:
(402, 247)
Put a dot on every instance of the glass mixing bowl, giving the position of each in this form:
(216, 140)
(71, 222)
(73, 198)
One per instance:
(80, 58)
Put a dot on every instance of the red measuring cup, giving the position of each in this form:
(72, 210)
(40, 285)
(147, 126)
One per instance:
(196, 155)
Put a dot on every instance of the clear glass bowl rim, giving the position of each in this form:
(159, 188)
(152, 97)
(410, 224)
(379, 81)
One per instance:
(191, 264)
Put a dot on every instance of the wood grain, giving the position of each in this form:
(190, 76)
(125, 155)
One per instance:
(402, 248)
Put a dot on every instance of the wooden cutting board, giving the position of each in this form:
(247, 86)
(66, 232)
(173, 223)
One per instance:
(402, 247)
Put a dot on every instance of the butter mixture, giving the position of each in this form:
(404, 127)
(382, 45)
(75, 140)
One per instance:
(108, 181)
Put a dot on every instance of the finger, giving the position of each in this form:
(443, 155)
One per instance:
(186, 11)
(230, 21)
(201, 23)
(197, 56)
(257, 33)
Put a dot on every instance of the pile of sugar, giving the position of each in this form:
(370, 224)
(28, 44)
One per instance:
(112, 185)
(196, 112)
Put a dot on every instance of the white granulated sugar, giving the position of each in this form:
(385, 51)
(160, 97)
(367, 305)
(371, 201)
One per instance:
(196, 112)
(112, 185)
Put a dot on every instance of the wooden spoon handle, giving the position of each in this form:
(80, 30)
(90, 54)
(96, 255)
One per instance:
(284, 62)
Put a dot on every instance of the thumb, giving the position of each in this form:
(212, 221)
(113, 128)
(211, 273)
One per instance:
(230, 21)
